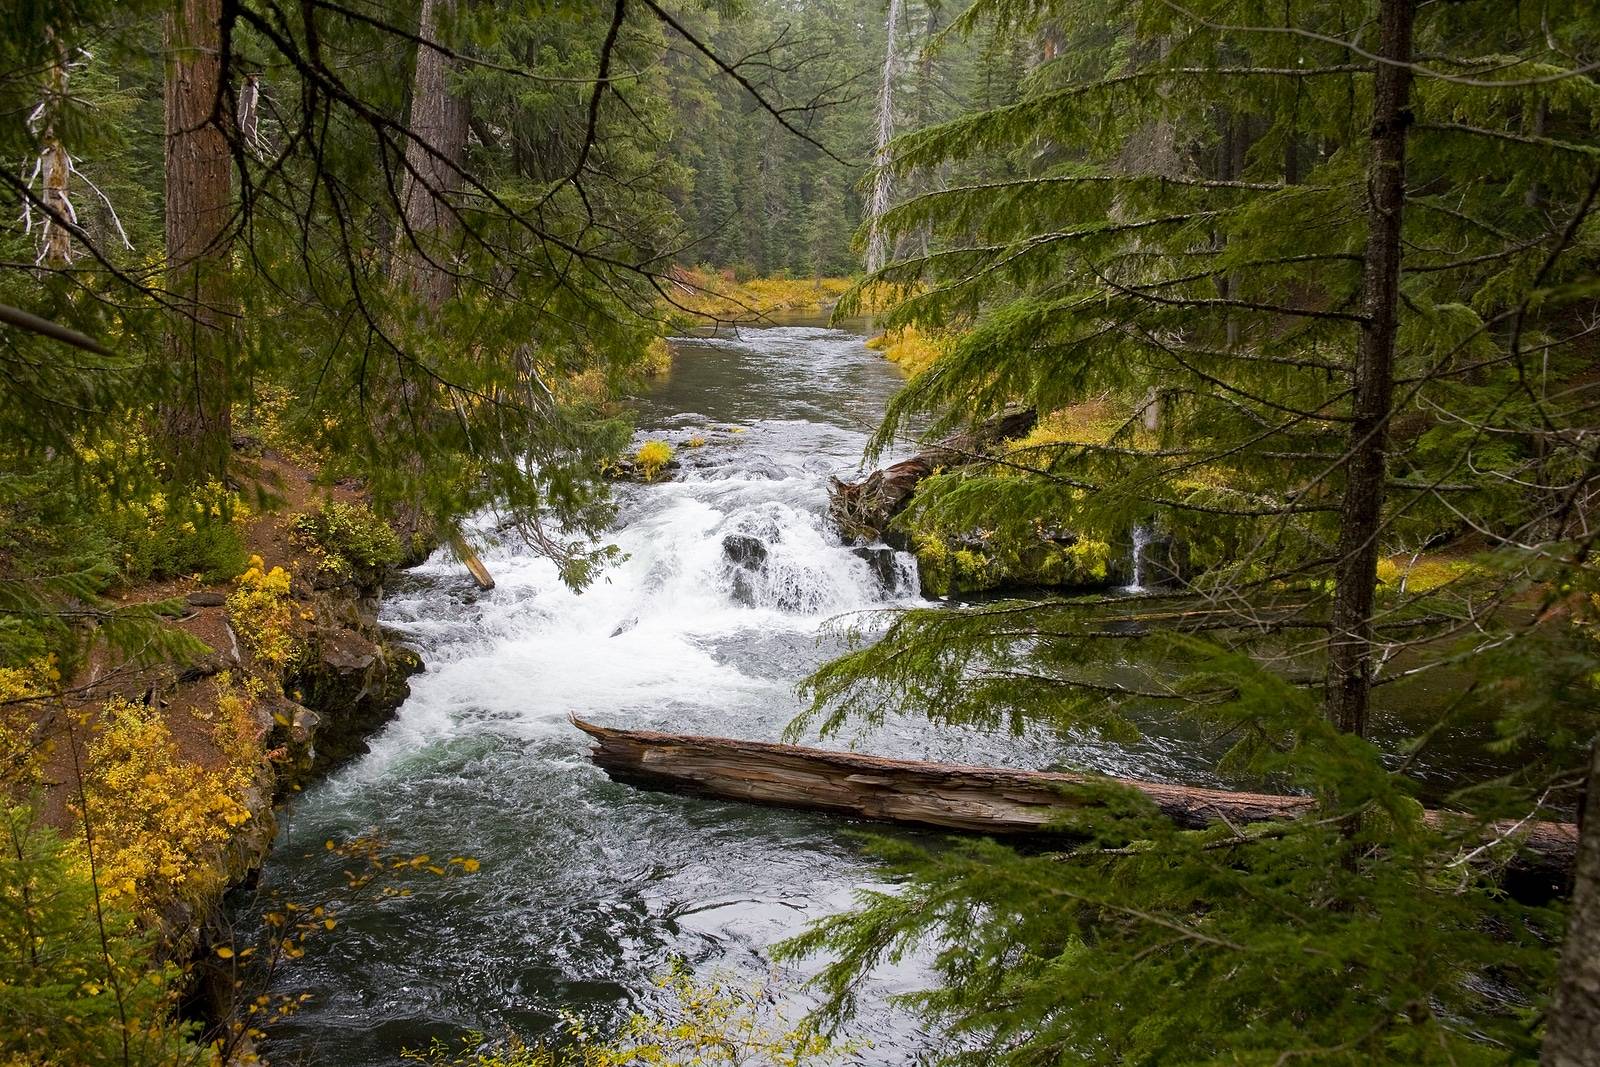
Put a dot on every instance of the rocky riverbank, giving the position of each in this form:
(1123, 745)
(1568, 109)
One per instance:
(173, 768)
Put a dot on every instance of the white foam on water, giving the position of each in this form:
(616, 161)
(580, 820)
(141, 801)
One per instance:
(518, 660)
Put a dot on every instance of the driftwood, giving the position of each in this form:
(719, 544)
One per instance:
(989, 800)
(466, 555)
(864, 509)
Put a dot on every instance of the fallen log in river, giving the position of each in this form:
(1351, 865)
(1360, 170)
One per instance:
(989, 800)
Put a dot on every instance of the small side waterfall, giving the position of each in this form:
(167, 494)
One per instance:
(1142, 536)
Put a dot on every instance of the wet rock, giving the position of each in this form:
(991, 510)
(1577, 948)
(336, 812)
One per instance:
(1163, 561)
(745, 551)
(205, 598)
(347, 652)
(352, 684)
(881, 558)
(629, 470)
(624, 626)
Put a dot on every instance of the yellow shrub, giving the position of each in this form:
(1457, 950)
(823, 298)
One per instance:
(157, 819)
(711, 294)
(1090, 423)
(652, 458)
(261, 615)
(657, 358)
(23, 748)
(1424, 574)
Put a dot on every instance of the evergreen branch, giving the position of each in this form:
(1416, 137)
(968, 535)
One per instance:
(24, 320)
(1587, 151)
(1388, 61)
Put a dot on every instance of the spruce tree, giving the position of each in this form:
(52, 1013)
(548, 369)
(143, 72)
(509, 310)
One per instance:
(1333, 265)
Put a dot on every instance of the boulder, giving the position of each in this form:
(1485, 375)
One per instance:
(885, 567)
(745, 551)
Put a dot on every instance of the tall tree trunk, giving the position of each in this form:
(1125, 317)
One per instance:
(877, 248)
(1349, 681)
(1572, 1037)
(434, 156)
(55, 167)
(423, 257)
(197, 418)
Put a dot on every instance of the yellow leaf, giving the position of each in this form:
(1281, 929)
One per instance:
(225, 952)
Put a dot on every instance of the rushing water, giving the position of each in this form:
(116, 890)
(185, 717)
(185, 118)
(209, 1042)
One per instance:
(588, 888)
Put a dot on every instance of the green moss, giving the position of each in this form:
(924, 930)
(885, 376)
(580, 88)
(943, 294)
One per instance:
(934, 569)
(945, 570)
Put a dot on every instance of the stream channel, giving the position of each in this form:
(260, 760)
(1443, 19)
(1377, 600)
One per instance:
(588, 889)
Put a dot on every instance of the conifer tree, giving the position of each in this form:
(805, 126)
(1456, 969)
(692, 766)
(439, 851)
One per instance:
(1363, 339)
(198, 416)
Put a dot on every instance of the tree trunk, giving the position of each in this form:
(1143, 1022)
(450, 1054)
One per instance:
(197, 417)
(1356, 572)
(423, 257)
(434, 157)
(877, 246)
(987, 800)
(1572, 1037)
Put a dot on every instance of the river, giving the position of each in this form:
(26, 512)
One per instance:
(588, 889)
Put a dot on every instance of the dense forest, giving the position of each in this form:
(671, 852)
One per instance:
(1246, 442)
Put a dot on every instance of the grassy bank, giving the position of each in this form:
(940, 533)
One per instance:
(718, 295)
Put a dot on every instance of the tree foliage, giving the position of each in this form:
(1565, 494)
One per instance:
(1178, 219)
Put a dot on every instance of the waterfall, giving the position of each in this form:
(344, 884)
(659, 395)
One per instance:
(1142, 536)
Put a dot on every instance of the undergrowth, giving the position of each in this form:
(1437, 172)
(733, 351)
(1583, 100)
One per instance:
(348, 542)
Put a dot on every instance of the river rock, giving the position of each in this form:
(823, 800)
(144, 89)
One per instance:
(881, 558)
(745, 551)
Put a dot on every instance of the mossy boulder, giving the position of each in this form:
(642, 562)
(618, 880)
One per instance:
(981, 563)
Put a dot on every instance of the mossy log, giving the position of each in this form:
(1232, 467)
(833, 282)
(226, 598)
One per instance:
(990, 800)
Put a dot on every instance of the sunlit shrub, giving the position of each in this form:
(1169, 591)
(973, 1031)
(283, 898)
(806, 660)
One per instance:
(23, 744)
(158, 819)
(652, 458)
(260, 613)
(657, 358)
(911, 349)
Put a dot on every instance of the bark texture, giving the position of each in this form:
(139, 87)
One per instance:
(1572, 1037)
(1356, 573)
(197, 418)
(434, 157)
(989, 800)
